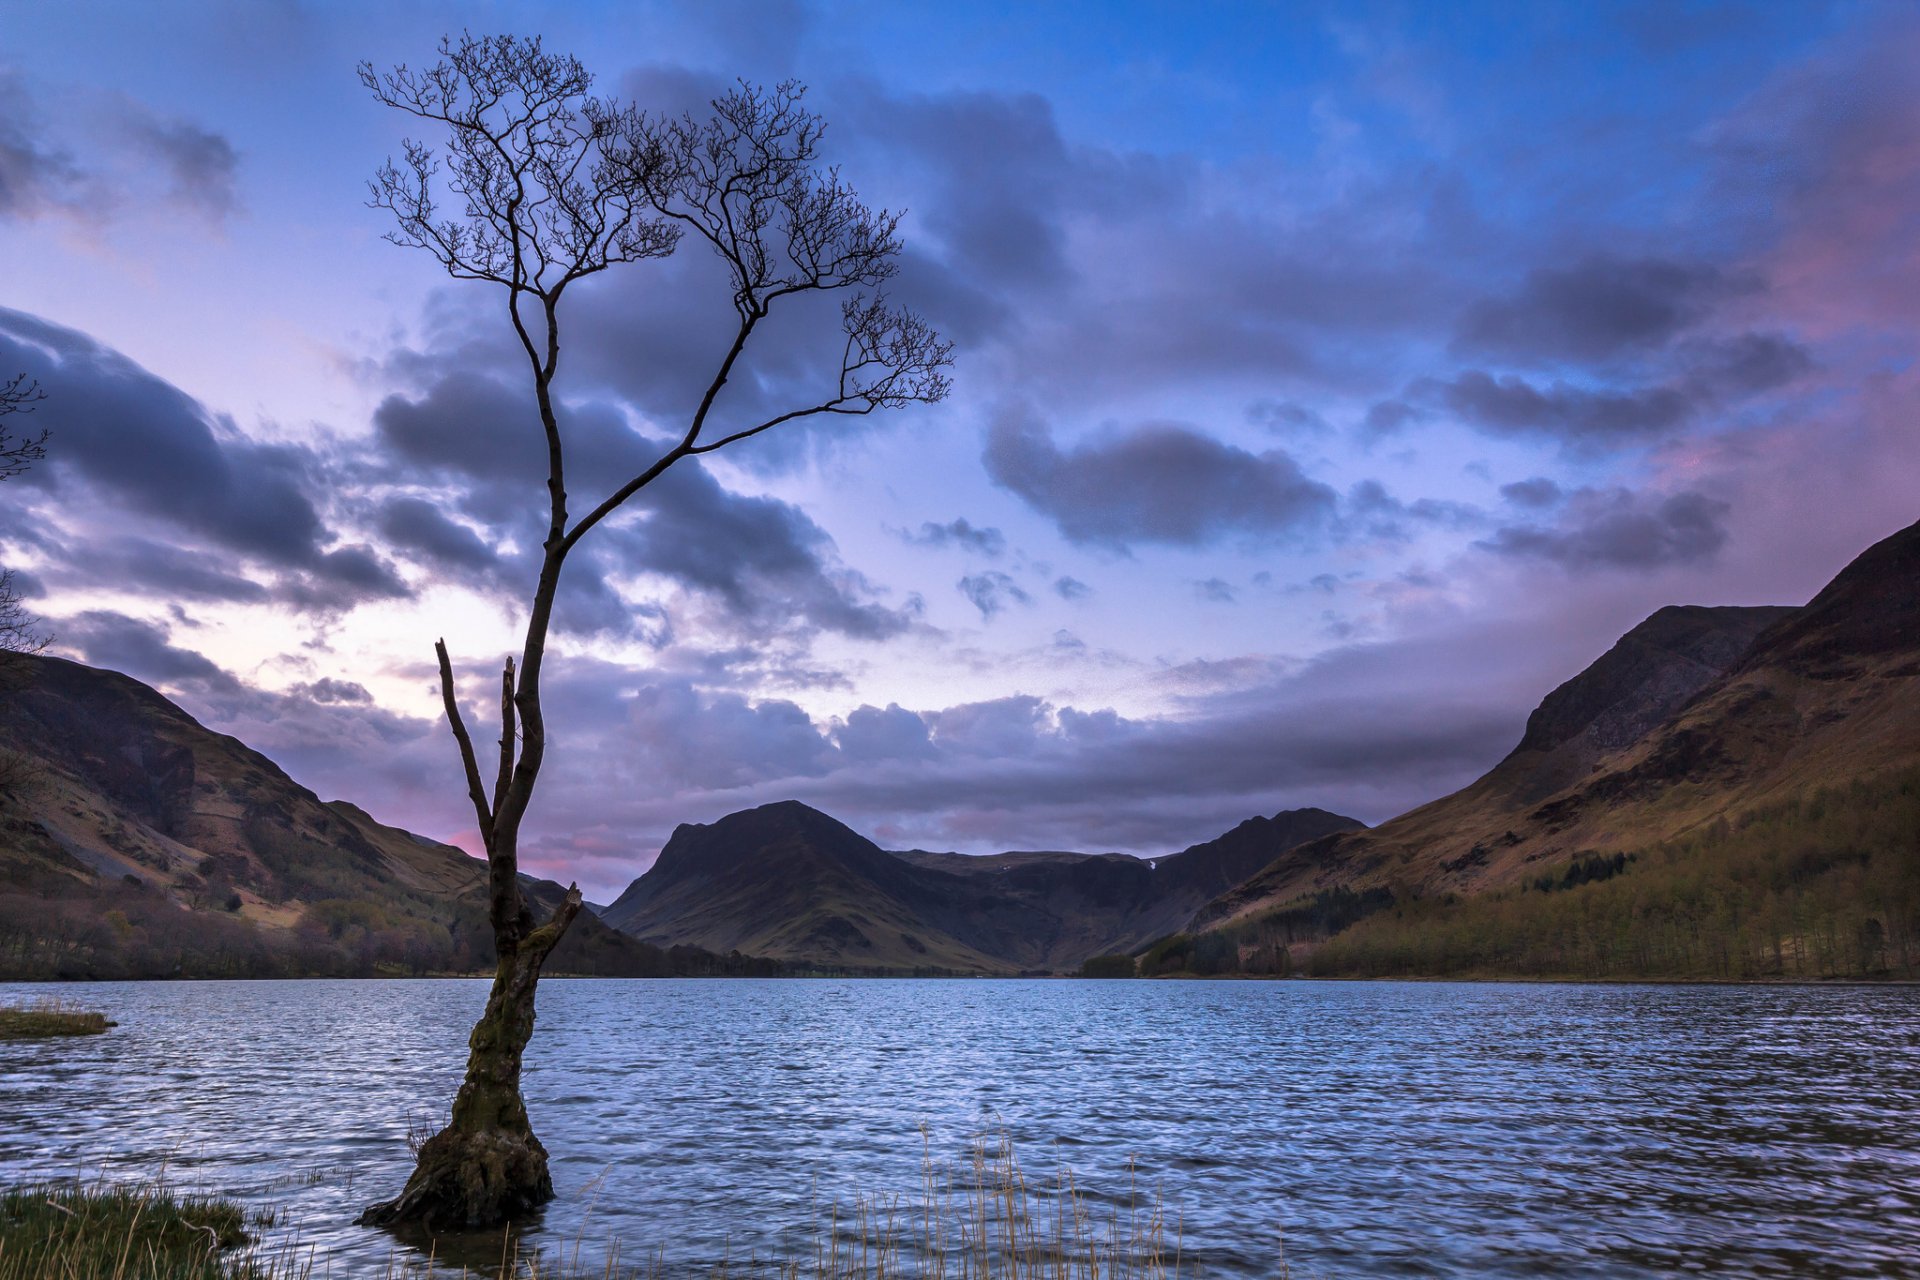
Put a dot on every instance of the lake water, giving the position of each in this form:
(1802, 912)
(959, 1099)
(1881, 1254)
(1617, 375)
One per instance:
(1389, 1129)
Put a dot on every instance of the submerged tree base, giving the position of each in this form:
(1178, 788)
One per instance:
(468, 1181)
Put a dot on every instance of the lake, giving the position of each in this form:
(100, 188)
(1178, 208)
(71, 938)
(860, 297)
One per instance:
(1388, 1129)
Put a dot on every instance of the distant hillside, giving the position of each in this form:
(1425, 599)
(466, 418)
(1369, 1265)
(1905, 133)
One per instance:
(1702, 730)
(790, 882)
(140, 843)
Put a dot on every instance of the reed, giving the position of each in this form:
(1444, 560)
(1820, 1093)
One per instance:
(983, 1218)
(100, 1231)
(50, 1018)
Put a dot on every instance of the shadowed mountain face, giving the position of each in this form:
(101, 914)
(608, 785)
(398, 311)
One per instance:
(140, 843)
(788, 881)
(1695, 715)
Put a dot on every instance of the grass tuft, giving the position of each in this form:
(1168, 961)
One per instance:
(50, 1018)
(100, 1231)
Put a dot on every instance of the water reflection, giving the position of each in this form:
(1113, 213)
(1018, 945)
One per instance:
(1386, 1129)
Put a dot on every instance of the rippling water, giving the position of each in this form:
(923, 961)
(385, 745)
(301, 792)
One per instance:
(1388, 1129)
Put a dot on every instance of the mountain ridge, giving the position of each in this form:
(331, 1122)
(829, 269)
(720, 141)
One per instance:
(1825, 695)
(785, 880)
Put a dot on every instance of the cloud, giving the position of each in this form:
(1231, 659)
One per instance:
(961, 533)
(420, 527)
(145, 566)
(1068, 588)
(1510, 405)
(140, 446)
(126, 144)
(1215, 591)
(1536, 492)
(201, 166)
(138, 648)
(35, 174)
(720, 740)
(1621, 529)
(992, 591)
(870, 735)
(1159, 482)
(328, 689)
(1599, 309)
(762, 559)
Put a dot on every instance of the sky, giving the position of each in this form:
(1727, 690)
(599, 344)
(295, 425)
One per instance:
(1331, 381)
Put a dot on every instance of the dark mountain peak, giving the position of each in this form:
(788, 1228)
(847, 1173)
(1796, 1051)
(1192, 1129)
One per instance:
(767, 825)
(1225, 861)
(1871, 608)
(1648, 674)
(757, 840)
(1289, 819)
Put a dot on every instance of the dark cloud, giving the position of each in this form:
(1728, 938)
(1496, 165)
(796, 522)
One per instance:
(1068, 588)
(1621, 529)
(133, 444)
(420, 527)
(763, 559)
(959, 532)
(140, 649)
(720, 740)
(327, 689)
(992, 592)
(1215, 591)
(147, 567)
(1387, 416)
(1371, 509)
(1511, 405)
(1597, 310)
(1160, 482)
(1732, 368)
(1537, 492)
(870, 735)
(1283, 417)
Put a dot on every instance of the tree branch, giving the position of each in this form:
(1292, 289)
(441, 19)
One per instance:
(472, 765)
(506, 735)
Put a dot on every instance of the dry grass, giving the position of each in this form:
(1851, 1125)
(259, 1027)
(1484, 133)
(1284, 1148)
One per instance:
(983, 1220)
(50, 1017)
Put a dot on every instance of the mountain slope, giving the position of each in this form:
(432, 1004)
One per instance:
(1678, 727)
(144, 843)
(787, 881)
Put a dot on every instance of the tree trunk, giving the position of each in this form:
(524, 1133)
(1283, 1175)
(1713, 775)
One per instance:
(486, 1167)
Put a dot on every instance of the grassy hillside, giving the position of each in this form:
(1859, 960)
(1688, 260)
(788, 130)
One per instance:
(1673, 735)
(137, 843)
(1824, 885)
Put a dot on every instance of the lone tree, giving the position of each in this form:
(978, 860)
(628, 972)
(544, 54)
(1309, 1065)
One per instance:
(535, 184)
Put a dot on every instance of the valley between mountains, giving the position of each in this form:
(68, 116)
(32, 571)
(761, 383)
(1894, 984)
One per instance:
(1728, 792)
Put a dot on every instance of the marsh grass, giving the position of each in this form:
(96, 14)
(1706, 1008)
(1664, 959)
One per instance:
(99, 1231)
(982, 1218)
(50, 1018)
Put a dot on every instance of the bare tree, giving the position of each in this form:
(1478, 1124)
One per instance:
(536, 184)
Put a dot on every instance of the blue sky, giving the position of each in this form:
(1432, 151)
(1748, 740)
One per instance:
(1332, 381)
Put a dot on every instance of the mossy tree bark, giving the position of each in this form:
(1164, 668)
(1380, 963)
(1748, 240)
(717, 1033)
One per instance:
(486, 1166)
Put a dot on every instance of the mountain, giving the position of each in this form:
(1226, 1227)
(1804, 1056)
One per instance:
(136, 842)
(787, 881)
(1698, 726)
